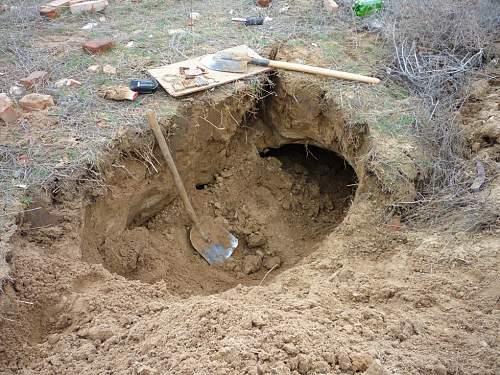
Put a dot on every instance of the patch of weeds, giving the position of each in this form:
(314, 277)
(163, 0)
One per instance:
(26, 200)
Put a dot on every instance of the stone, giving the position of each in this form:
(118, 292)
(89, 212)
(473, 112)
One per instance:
(330, 5)
(98, 45)
(108, 69)
(344, 361)
(117, 93)
(272, 262)
(36, 102)
(67, 82)
(251, 264)
(16, 90)
(94, 68)
(49, 11)
(256, 240)
(361, 361)
(100, 333)
(7, 112)
(35, 78)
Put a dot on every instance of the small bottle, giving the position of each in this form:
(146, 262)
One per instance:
(364, 8)
(143, 86)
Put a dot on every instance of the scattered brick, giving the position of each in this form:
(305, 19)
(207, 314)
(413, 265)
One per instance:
(34, 78)
(36, 102)
(98, 46)
(7, 112)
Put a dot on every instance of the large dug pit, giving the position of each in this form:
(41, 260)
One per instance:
(280, 206)
(279, 194)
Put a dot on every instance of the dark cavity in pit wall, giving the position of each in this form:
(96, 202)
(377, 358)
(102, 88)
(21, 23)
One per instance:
(334, 174)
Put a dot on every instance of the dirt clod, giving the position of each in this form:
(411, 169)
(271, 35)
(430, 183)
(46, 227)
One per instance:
(343, 360)
(361, 361)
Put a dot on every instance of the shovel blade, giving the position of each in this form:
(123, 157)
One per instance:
(221, 244)
(222, 64)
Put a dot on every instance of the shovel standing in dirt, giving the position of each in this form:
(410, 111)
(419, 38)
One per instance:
(209, 238)
(237, 61)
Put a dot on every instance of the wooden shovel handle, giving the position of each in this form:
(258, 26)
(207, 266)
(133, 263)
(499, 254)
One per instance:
(155, 127)
(314, 70)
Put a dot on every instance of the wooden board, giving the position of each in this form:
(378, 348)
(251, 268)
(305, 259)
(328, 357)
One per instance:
(170, 78)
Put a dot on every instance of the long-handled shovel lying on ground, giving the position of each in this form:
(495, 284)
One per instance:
(237, 60)
(210, 239)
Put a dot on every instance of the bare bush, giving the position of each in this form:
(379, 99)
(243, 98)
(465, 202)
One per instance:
(438, 47)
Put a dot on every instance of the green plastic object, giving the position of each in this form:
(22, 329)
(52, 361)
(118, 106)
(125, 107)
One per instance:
(363, 8)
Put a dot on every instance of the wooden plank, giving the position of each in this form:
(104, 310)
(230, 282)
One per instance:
(58, 3)
(170, 78)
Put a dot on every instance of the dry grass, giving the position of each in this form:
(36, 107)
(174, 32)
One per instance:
(435, 63)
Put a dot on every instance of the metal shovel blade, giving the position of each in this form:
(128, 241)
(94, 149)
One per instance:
(221, 243)
(221, 64)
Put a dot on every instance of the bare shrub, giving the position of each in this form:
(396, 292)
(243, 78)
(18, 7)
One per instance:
(438, 47)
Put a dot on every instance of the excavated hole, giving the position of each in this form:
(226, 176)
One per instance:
(280, 203)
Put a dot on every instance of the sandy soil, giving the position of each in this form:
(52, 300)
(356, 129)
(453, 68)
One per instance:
(111, 286)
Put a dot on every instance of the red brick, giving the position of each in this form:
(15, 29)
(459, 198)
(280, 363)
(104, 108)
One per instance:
(36, 102)
(98, 46)
(7, 111)
(49, 12)
(34, 78)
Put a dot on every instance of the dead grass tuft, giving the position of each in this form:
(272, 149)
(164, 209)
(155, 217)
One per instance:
(435, 62)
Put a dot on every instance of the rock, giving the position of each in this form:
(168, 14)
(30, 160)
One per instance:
(101, 333)
(272, 262)
(88, 6)
(36, 102)
(94, 68)
(34, 78)
(330, 5)
(344, 361)
(4, 8)
(7, 112)
(251, 264)
(16, 90)
(256, 240)
(129, 44)
(375, 369)
(49, 12)
(67, 82)
(194, 16)
(361, 361)
(117, 93)
(89, 26)
(108, 69)
(98, 45)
